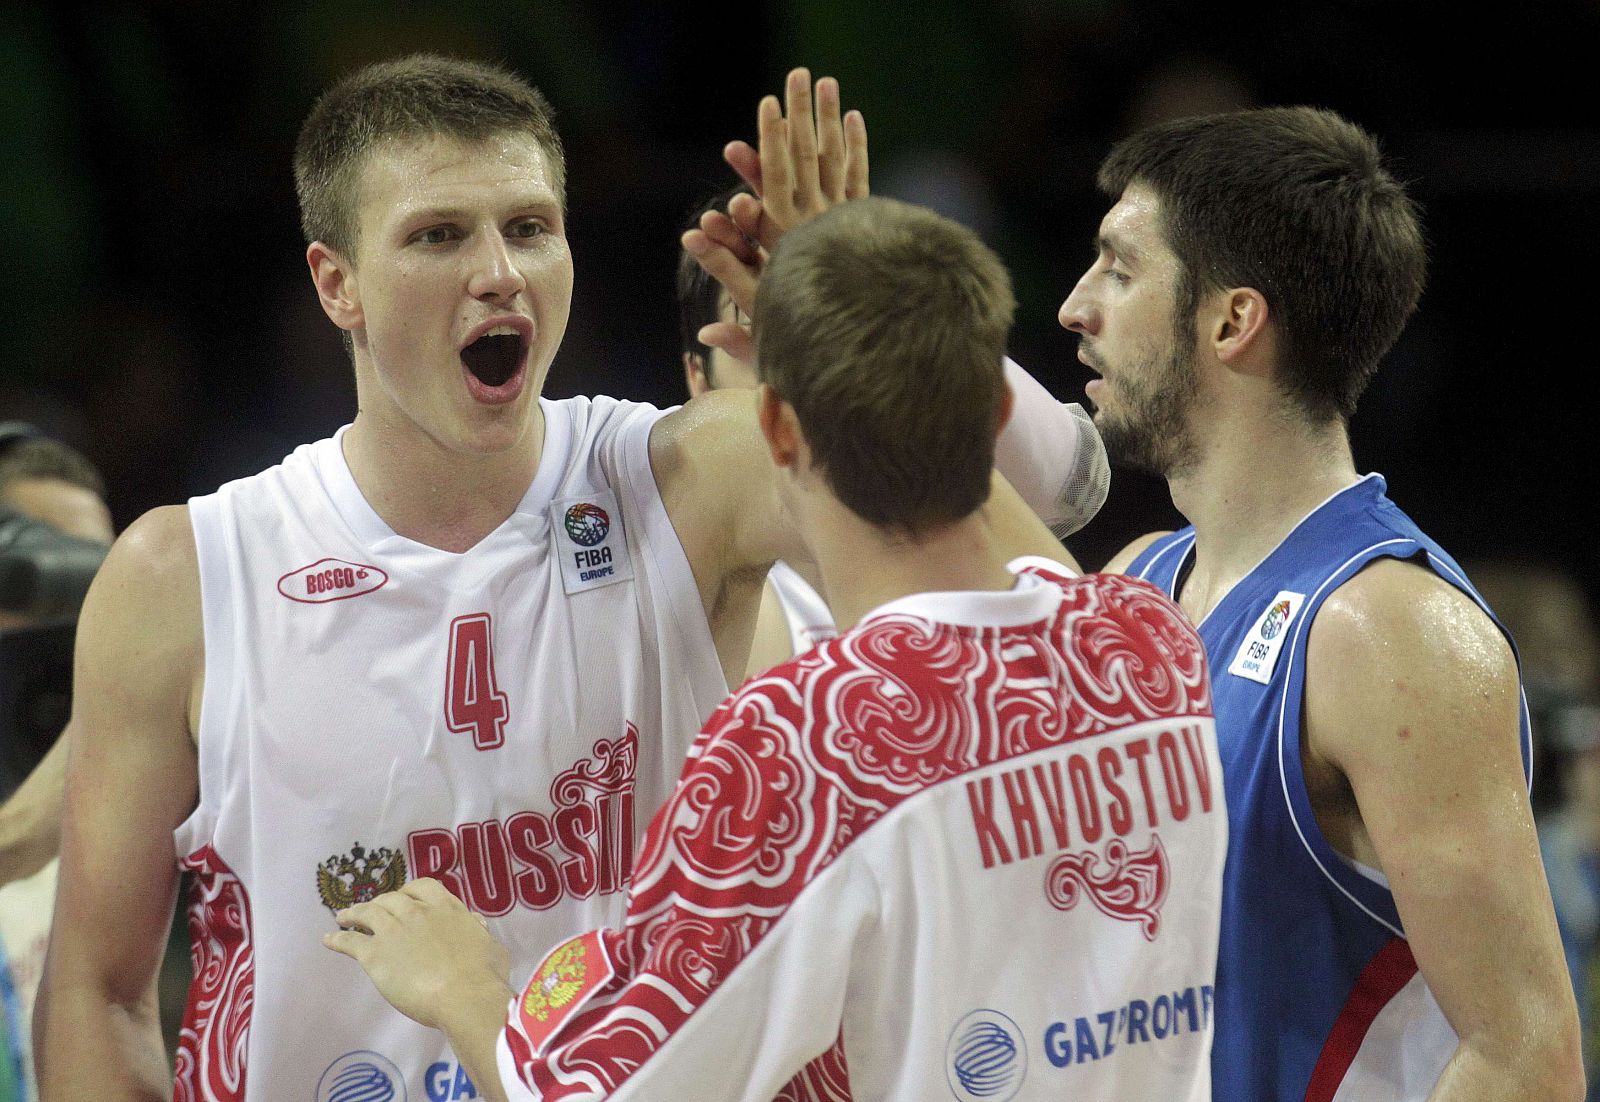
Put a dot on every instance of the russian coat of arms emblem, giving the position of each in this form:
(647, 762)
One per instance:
(346, 879)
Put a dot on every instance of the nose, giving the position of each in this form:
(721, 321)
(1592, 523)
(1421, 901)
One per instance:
(494, 273)
(1078, 313)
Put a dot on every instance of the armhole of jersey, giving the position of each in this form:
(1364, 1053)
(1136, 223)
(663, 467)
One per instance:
(664, 556)
(207, 520)
(1168, 552)
(1361, 888)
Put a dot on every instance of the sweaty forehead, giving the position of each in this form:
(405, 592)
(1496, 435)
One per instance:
(404, 176)
(1133, 229)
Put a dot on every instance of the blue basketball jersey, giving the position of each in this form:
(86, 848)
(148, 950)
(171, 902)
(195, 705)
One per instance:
(1317, 994)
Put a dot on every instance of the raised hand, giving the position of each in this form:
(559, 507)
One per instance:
(808, 160)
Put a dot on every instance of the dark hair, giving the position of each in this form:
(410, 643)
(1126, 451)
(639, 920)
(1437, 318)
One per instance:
(1297, 203)
(26, 453)
(410, 97)
(884, 326)
(698, 294)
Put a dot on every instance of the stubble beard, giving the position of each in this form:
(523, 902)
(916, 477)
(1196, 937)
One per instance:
(1151, 432)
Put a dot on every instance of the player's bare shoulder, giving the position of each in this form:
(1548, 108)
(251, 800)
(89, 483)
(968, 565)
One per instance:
(1123, 559)
(141, 631)
(715, 478)
(1397, 639)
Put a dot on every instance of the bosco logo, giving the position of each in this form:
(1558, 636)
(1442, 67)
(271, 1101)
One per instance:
(361, 1077)
(587, 524)
(986, 1058)
(330, 580)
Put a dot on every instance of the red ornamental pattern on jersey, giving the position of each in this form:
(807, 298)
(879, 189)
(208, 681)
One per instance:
(1130, 886)
(210, 1062)
(822, 750)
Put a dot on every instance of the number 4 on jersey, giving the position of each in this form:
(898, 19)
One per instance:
(473, 701)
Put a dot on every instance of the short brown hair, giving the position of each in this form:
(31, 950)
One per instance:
(41, 457)
(1297, 203)
(884, 326)
(411, 97)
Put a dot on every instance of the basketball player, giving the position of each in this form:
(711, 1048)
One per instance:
(972, 845)
(1387, 930)
(467, 638)
(794, 617)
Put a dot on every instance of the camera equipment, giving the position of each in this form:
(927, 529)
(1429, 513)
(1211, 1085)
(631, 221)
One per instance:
(44, 575)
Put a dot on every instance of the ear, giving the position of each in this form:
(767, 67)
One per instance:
(335, 281)
(779, 427)
(694, 375)
(1239, 327)
(1008, 402)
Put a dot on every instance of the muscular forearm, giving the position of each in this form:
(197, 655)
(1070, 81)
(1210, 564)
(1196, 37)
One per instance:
(1535, 1067)
(1052, 454)
(89, 1048)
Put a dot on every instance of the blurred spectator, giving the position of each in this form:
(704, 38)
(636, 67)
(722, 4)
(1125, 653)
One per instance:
(46, 481)
(1559, 644)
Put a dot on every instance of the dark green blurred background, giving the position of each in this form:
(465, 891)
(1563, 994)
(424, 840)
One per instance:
(157, 311)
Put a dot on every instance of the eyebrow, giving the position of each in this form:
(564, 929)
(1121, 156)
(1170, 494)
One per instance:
(1105, 243)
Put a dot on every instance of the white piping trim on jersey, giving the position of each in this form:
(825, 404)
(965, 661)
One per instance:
(1144, 575)
(1303, 631)
(1296, 527)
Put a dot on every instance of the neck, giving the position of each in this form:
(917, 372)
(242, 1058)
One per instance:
(433, 494)
(863, 566)
(1257, 477)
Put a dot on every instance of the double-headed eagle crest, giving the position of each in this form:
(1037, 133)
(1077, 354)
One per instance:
(559, 979)
(344, 880)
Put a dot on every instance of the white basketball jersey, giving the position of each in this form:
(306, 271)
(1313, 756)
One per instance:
(376, 710)
(809, 618)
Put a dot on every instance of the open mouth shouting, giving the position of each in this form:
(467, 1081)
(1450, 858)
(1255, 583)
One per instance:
(495, 358)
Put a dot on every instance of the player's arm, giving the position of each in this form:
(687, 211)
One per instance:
(30, 819)
(1412, 696)
(130, 781)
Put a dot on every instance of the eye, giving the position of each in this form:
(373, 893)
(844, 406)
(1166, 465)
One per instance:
(530, 227)
(1116, 276)
(435, 235)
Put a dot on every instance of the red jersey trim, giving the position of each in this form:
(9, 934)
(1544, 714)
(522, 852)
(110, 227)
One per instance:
(1380, 981)
(215, 1036)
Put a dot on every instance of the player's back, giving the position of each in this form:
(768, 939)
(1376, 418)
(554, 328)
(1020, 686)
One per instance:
(1048, 916)
(1318, 995)
(973, 845)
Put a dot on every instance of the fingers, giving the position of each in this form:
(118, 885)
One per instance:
(855, 140)
(802, 140)
(731, 337)
(737, 278)
(830, 141)
(729, 230)
(348, 942)
(777, 174)
(743, 159)
(427, 889)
